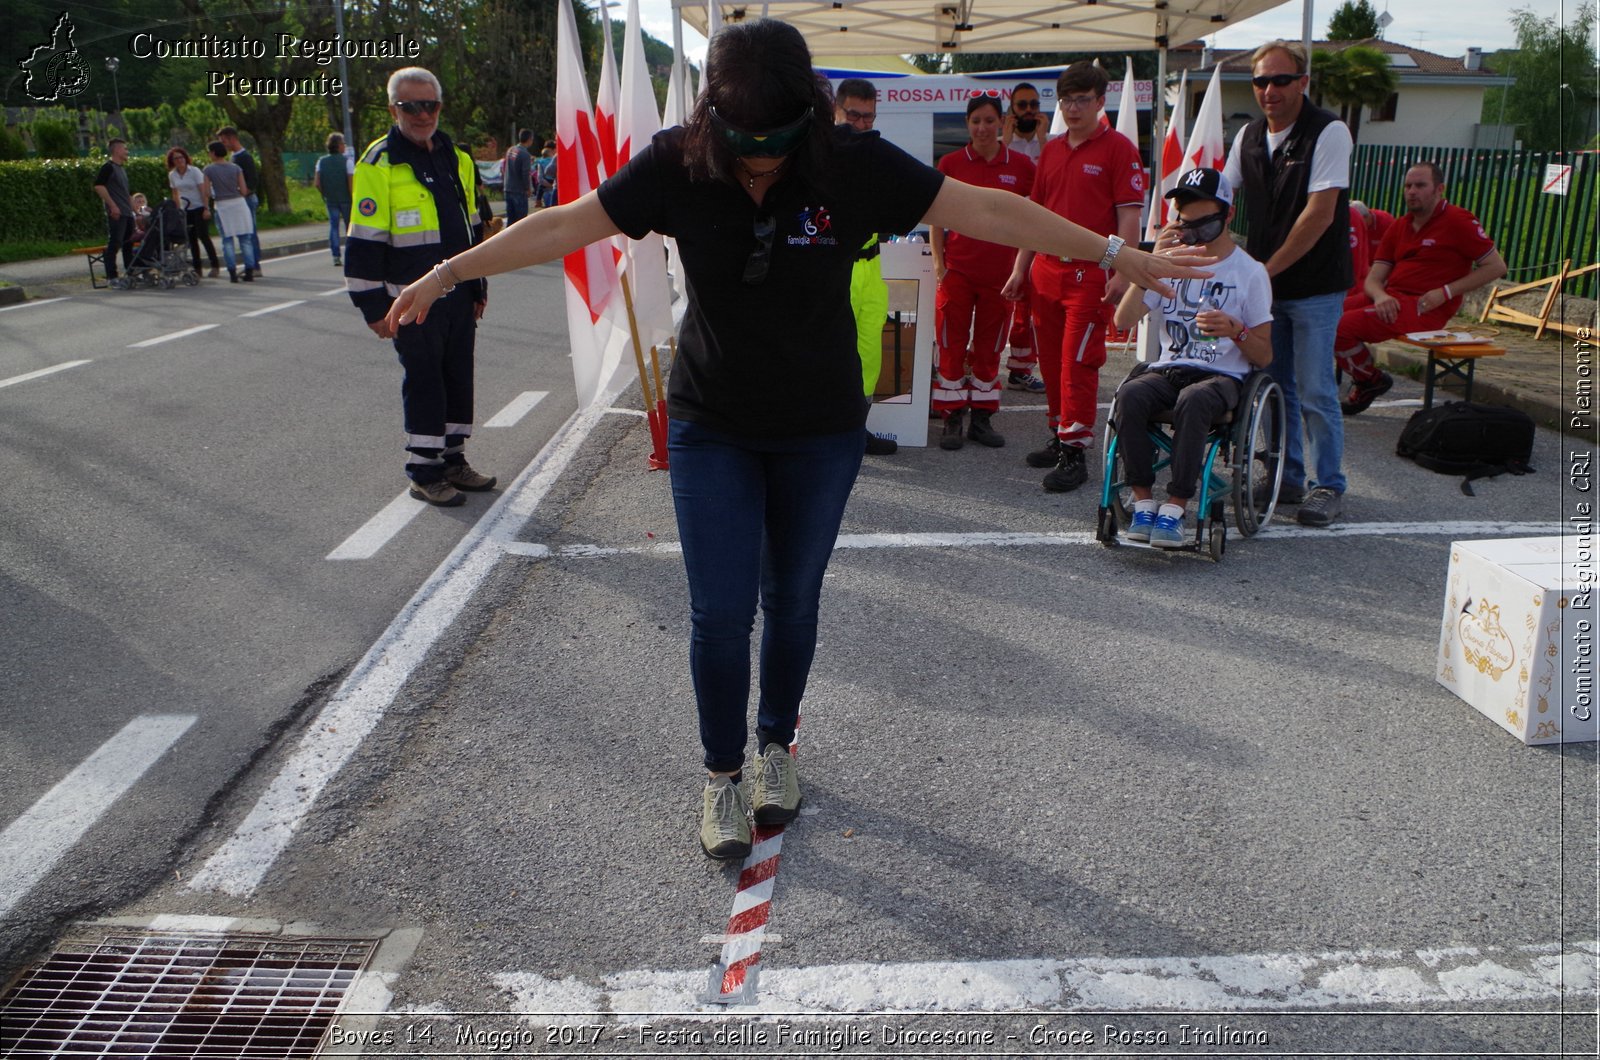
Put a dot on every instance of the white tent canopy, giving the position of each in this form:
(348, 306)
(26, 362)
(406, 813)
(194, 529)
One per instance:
(901, 27)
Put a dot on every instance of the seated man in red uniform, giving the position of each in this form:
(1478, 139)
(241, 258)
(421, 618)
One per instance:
(1428, 259)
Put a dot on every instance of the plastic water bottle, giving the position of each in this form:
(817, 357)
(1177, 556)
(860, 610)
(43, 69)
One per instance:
(1205, 347)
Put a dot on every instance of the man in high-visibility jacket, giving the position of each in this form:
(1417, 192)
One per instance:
(413, 195)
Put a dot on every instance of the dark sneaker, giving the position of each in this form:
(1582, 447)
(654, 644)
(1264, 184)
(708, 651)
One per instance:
(952, 438)
(1071, 471)
(1320, 508)
(462, 477)
(1049, 456)
(983, 432)
(249, 277)
(1287, 494)
(881, 446)
(777, 789)
(1027, 382)
(1363, 395)
(1167, 532)
(336, 261)
(440, 493)
(1141, 525)
(724, 821)
(118, 283)
(233, 275)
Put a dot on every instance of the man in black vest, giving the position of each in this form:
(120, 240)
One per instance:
(1294, 168)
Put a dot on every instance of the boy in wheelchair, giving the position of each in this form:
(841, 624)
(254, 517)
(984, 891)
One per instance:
(1212, 335)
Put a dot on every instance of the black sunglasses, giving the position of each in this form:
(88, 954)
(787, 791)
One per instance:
(418, 106)
(755, 270)
(1024, 104)
(1275, 80)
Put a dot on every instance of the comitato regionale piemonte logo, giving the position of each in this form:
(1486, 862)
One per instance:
(56, 71)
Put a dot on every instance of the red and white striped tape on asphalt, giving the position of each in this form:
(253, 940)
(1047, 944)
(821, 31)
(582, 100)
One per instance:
(735, 972)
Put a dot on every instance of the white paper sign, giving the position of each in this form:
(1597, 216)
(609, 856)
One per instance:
(1556, 178)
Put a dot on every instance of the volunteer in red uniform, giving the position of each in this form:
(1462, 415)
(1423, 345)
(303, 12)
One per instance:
(971, 312)
(1092, 176)
(1375, 223)
(1430, 257)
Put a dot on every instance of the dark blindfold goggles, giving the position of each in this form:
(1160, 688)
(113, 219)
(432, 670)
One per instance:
(771, 143)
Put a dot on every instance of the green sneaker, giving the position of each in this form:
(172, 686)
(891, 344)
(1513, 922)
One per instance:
(777, 795)
(724, 821)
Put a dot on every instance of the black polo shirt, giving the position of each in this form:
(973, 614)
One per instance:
(777, 358)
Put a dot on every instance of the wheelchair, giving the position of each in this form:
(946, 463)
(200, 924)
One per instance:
(1243, 452)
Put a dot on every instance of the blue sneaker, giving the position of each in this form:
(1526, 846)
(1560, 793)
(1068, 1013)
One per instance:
(1143, 523)
(1027, 382)
(1167, 532)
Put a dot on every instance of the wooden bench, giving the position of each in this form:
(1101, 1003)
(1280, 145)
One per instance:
(95, 256)
(1449, 359)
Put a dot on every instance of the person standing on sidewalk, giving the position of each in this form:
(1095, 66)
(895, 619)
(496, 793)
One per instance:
(414, 193)
(516, 177)
(1293, 165)
(240, 156)
(1093, 177)
(770, 200)
(111, 184)
(1435, 254)
(228, 192)
(332, 178)
(192, 192)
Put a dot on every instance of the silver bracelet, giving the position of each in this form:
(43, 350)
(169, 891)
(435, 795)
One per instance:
(438, 274)
(1113, 245)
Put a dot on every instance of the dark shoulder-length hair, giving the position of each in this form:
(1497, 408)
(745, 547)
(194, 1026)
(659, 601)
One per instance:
(758, 75)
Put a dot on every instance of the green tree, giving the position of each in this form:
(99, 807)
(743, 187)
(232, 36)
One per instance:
(142, 131)
(1552, 103)
(201, 117)
(1353, 20)
(54, 138)
(1354, 77)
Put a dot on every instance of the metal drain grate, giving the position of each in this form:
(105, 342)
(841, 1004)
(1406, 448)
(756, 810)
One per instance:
(181, 996)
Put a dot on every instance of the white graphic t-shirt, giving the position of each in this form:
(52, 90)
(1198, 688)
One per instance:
(1239, 286)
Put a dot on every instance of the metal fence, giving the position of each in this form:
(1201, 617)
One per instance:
(1534, 229)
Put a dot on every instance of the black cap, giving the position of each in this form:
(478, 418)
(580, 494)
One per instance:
(1203, 183)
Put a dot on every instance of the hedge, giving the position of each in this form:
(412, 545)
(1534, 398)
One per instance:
(54, 198)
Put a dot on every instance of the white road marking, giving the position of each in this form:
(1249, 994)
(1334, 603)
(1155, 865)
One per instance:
(336, 290)
(274, 308)
(1266, 982)
(519, 407)
(25, 305)
(41, 373)
(534, 550)
(640, 413)
(34, 842)
(172, 335)
(377, 531)
(238, 866)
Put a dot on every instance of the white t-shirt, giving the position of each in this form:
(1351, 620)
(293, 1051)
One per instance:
(1031, 148)
(1244, 291)
(1330, 162)
(188, 186)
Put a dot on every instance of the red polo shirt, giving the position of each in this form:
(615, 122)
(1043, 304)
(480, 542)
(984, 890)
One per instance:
(1443, 250)
(1086, 184)
(987, 264)
(1382, 221)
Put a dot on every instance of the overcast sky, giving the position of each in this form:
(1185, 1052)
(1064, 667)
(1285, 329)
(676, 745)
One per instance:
(1448, 27)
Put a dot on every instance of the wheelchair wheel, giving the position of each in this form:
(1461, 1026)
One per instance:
(1217, 542)
(1258, 443)
(1106, 527)
(191, 279)
(1119, 498)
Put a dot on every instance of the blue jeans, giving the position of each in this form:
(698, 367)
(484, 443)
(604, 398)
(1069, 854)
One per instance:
(246, 247)
(338, 224)
(516, 207)
(1302, 363)
(254, 237)
(758, 518)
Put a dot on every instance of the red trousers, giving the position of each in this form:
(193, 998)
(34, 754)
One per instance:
(1360, 325)
(970, 319)
(1069, 323)
(1024, 351)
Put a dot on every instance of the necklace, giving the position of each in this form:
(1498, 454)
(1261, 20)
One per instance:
(754, 176)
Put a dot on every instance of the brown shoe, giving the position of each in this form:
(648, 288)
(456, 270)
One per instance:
(462, 477)
(440, 493)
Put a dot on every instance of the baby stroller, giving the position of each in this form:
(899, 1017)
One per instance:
(161, 260)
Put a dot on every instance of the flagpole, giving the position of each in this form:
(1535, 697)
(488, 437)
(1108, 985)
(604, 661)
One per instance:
(652, 413)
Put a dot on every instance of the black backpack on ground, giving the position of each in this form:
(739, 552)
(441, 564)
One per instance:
(1463, 438)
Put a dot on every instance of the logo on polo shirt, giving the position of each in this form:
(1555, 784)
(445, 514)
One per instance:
(1137, 180)
(815, 222)
(1008, 178)
(1092, 169)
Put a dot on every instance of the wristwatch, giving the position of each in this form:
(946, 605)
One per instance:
(1113, 245)
(1244, 333)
